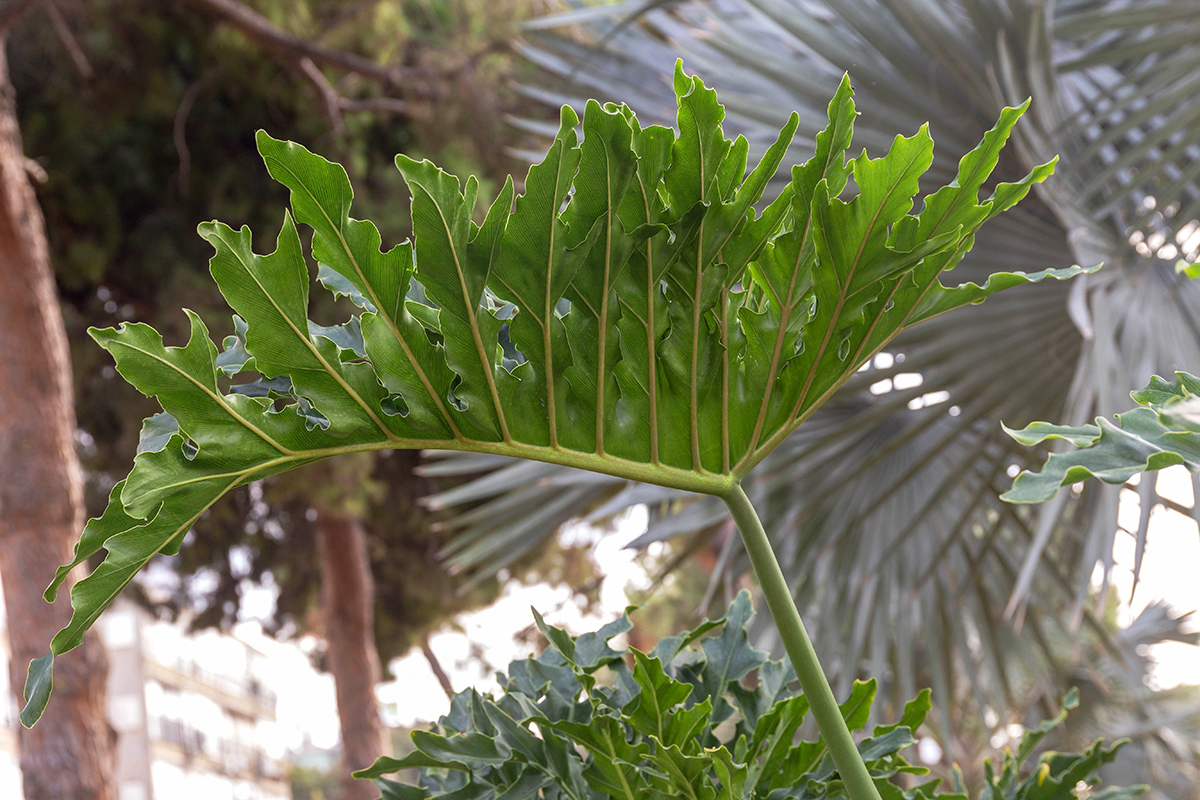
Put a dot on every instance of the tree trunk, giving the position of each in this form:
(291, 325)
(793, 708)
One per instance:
(69, 755)
(349, 595)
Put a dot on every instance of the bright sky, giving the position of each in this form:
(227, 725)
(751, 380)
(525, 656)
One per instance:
(415, 695)
(1170, 571)
(306, 698)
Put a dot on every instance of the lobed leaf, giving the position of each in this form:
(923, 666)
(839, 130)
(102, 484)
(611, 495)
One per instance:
(1163, 432)
(591, 743)
(666, 329)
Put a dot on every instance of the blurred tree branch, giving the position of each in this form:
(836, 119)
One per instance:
(293, 48)
(62, 29)
(336, 105)
(307, 56)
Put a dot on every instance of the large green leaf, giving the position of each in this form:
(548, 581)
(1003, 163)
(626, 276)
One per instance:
(646, 311)
(886, 504)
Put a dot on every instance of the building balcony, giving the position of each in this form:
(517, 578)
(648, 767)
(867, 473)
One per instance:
(223, 756)
(245, 697)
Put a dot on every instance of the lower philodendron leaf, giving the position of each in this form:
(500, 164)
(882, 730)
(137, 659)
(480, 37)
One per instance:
(703, 716)
(1164, 431)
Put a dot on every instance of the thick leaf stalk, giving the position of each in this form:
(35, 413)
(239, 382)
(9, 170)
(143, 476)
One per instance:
(825, 711)
(632, 313)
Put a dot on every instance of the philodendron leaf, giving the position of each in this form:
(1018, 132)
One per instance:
(729, 657)
(1164, 431)
(670, 328)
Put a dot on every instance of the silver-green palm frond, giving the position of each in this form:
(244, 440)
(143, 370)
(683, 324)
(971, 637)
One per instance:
(1163, 725)
(885, 508)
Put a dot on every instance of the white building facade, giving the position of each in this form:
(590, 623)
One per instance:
(194, 716)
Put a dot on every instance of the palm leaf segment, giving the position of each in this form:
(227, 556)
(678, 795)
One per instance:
(666, 331)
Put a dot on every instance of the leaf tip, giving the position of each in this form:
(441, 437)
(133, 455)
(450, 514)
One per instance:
(568, 119)
(682, 82)
(100, 334)
(403, 162)
(209, 229)
(264, 140)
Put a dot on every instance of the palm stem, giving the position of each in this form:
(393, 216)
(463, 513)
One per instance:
(800, 650)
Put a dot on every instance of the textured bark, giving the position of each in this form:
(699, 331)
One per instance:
(349, 597)
(69, 755)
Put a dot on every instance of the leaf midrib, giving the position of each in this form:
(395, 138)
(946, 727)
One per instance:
(548, 310)
(786, 309)
(651, 344)
(603, 318)
(790, 305)
(612, 753)
(844, 288)
(472, 320)
(303, 337)
(216, 396)
(975, 170)
(756, 455)
(694, 400)
(412, 359)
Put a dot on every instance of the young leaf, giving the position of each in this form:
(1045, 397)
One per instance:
(729, 657)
